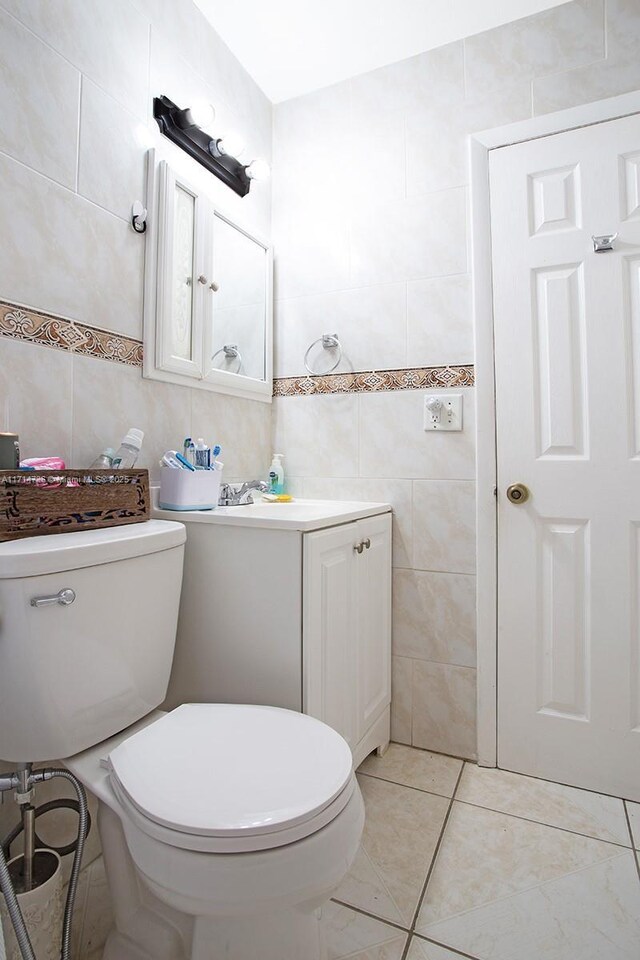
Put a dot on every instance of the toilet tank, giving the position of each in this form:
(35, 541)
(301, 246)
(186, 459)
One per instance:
(73, 674)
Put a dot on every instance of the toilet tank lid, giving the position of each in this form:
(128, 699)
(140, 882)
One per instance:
(36, 556)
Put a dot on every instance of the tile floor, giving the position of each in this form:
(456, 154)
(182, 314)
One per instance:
(459, 861)
(463, 862)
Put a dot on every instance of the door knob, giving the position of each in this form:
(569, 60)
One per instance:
(202, 279)
(358, 547)
(518, 493)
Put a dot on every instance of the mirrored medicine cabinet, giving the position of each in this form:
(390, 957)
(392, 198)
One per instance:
(208, 293)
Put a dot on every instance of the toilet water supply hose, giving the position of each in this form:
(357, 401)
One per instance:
(13, 907)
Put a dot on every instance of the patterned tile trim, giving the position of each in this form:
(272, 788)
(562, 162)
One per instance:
(33, 326)
(415, 378)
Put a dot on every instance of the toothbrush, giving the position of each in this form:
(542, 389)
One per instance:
(184, 462)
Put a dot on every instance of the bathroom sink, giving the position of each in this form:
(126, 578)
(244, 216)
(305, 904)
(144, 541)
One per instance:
(295, 515)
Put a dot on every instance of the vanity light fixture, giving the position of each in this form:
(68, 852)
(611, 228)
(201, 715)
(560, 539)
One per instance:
(231, 145)
(217, 154)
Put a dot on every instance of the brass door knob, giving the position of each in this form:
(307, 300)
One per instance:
(518, 493)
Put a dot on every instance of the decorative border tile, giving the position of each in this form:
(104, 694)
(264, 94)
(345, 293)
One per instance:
(375, 381)
(33, 326)
(48, 330)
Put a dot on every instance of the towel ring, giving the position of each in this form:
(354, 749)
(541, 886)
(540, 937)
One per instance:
(231, 352)
(329, 341)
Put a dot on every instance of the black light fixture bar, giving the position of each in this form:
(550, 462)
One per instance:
(178, 126)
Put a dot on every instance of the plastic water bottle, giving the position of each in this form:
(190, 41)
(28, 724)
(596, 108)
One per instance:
(104, 461)
(129, 450)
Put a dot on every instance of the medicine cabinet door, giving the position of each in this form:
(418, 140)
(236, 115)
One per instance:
(183, 305)
(238, 332)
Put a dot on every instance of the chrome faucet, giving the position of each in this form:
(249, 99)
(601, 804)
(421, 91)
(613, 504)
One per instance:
(231, 496)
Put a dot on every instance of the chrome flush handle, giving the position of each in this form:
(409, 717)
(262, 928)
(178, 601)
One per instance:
(63, 599)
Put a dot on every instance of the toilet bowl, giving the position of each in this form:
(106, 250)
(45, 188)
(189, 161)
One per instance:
(243, 820)
(224, 827)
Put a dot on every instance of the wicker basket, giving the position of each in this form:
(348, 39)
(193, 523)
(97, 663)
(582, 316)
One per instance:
(37, 502)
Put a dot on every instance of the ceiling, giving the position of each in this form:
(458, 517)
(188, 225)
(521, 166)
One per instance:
(291, 47)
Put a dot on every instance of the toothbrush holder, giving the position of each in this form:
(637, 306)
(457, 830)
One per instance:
(189, 489)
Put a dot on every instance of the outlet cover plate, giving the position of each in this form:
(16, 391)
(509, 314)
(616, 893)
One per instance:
(450, 417)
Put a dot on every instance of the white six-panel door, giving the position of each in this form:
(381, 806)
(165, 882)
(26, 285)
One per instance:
(567, 346)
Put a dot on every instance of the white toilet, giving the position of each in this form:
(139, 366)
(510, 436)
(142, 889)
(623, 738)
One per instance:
(224, 827)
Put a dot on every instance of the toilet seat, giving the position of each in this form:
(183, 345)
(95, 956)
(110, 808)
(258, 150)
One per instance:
(228, 778)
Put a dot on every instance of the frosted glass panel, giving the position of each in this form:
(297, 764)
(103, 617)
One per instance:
(239, 316)
(182, 300)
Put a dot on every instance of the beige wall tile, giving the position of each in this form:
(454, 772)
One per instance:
(310, 260)
(36, 398)
(436, 135)
(439, 322)
(241, 427)
(444, 526)
(65, 255)
(395, 492)
(317, 435)
(408, 239)
(108, 398)
(179, 21)
(394, 443)
(111, 165)
(444, 708)
(566, 36)
(40, 93)
(405, 86)
(619, 73)
(108, 42)
(370, 322)
(434, 617)
(401, 699)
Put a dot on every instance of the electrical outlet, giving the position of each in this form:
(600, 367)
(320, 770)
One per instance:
(443, 412)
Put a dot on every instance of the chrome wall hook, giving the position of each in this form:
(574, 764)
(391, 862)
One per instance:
(604, 243)
(139, 217)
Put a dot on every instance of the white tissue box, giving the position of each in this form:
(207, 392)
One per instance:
(189, 489)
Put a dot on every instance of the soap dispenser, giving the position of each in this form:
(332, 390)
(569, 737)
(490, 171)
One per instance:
(276, 474)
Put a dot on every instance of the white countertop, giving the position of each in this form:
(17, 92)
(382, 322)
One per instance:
(303, 515)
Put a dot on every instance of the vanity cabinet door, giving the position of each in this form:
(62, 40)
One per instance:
(373, 591)
(347, 625)
(329, 629)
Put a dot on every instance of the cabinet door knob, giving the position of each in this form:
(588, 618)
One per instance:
(358, 547)
(202, 279)
(367, 543)
(214, 286)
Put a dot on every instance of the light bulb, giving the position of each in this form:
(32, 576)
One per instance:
(202, 113)
(258, 169)
(231, 144)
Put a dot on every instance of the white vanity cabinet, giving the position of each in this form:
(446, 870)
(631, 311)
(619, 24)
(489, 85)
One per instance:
(347, 626)
(290, 605)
